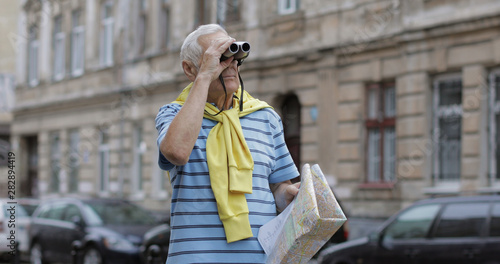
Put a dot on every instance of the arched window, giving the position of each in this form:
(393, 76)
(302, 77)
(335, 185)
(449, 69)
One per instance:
(290, 110)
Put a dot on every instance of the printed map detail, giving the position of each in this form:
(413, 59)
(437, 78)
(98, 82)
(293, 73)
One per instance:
(295, 235)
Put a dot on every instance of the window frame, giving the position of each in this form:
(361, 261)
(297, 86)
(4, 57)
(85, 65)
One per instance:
(7, 86)
(106, 35)
(202, 12)
(381, 122)
(138, 153)
(59, 49)
(224, 15)
(284, 9)
(159, 181)
(77, 43)
(33, 57)
(494, 142)
(438, 113)
(142, 26)
(164, 21)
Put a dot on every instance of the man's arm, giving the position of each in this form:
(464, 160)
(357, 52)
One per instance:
(182, 133)
(284, 192)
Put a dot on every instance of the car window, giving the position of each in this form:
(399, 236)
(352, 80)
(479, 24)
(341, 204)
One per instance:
(19, 210)
(495, 220)
(44, 211)
(71, 211)
(122, 214)
(413, 223)
(56, 212)
(462, 220)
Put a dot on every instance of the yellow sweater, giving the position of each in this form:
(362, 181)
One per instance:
(230, 163)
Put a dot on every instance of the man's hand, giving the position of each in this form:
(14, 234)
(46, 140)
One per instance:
(210, 61)
(284, 192)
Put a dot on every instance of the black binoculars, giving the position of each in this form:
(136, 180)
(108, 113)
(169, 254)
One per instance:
(239, 50)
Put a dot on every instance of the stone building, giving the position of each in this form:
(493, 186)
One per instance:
(395, 100)
(8, 22)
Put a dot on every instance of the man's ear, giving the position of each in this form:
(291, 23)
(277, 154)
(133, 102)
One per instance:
(189, 69)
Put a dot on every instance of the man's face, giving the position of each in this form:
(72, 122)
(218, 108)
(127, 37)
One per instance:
(230, 74)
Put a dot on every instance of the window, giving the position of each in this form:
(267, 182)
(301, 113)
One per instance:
(159, 181)
(138, 152)
(380, 125)
(56, 212)
(33, 46)
(447, 126)
(202, 12)
(142, 33)
(494, 128)
(462, 220)
(58, 47)
(77, 44)
(71, 212)
(228, 11)
(414, 223)
(74, 160)
(103, 161)
(287, 6)
(44, 211)
(7, 85)
(107, 22)
(165, 23)
(55, 161)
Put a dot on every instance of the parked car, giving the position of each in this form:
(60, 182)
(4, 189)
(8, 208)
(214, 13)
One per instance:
(29, 204)
(107, 230)
(439, 230)
(14, 225)
(157, 239)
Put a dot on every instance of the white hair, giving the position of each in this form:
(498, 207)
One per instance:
(191, 49)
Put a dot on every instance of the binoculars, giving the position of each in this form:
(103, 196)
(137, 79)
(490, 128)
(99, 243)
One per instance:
(239, 50)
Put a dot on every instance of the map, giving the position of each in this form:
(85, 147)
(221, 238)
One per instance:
(295, 235)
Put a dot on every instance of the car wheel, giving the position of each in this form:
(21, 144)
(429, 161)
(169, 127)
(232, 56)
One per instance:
(92, 256)
(36, 256)
(156, 254)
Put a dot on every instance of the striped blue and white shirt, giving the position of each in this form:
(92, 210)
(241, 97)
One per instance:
(197, 234)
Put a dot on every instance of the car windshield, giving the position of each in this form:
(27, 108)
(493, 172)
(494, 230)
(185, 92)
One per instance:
(119, 214)
(18, 210)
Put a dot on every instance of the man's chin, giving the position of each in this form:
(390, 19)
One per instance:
(232, 84)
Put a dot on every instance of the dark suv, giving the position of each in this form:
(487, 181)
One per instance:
(440, 230)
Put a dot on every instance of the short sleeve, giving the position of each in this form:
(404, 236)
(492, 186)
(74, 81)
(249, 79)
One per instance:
(284, 168)
(163, 120)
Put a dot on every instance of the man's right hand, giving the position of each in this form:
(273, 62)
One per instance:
(210, 64)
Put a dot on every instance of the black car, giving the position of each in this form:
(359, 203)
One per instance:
(439, 230)
(155, 244)
(106, 230)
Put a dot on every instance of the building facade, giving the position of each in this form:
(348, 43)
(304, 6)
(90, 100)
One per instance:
(395, 100)
(8, 23)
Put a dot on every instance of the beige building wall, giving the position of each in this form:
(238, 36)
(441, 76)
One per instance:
(8, 24)
(326, 53)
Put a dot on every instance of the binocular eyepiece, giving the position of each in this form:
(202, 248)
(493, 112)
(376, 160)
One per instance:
(239, 49)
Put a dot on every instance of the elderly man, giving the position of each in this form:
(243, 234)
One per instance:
(230, 168)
